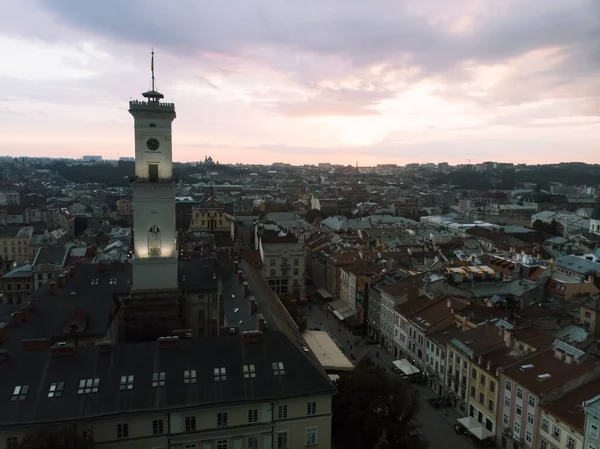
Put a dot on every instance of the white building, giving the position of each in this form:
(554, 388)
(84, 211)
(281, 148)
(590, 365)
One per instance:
(348, 287)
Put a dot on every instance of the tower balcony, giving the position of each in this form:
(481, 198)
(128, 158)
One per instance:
(142, 180)
(150, 106)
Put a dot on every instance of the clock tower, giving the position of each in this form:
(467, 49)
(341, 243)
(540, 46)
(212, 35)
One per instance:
(155, 264)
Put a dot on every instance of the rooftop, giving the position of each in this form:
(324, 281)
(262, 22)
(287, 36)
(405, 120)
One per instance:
(478, 340)
(568, 408)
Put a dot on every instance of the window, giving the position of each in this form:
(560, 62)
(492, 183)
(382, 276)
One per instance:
(20, 393)
(88, 435)
(56, 389)
(189, 376)
(253, 415)
(505, 419)
(545, 424)
(201, 314)
(273, 272)
(158, 427)
(490, 405)
(506, 401)
(282, 412)
(531, 401)
(126, 383)
(158, 379)
(190, 423)
(296, 272)
(481, 398)
(310, 436)
(12, 442)
(508, 385)
(519, 392)
(473, 391)
(153, 172)
(519, 410)
(473, 373)
(296, 262)
(482, 380)
(122, 431)
(249, 372)
(221, 444)
(87, 386)
(220, 373)
(528, 436)
(543, 444)
(590, 446)
(252, 442)
(530, 418)
(222, 419)
(311, 408)
(556, 432)
(154, 245)
(517, 429)
(594, 430)
(282, 440)
(273, 262)
(571, 442)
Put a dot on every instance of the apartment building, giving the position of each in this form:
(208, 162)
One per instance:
(15, 244)
(435, 360)
(17, 284)
(282, 255)
(563, 420)
(540, 378)
(591, 408)
(48, 263)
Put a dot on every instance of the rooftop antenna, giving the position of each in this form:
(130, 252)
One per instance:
(152, 67)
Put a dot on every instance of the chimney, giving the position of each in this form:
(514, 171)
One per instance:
(246, 289)
(168, 342)
(62, 349)
(16, 318)
(488, 366)
(4, 332)
(252, 305)
(53, 288)
(3, 355)
(260, 322)
(33, 305)
(105, 347)
(449, 303)
(63, 280)
(24, 313)
(72, 272)
(252, 336)
(240, 274)
(36, 344)
(236, 266)
(480, 360)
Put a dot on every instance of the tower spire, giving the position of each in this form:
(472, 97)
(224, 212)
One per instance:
(152, 68)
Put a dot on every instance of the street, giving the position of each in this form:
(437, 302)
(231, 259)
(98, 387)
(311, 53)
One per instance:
(436, 424)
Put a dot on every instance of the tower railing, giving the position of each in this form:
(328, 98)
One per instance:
(151, 105)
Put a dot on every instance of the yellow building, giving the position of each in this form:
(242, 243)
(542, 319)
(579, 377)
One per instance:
(15, 244)
(210, 216)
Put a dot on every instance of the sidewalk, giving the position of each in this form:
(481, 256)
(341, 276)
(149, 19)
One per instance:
(449, 414)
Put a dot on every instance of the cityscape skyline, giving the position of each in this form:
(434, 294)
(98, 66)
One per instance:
(398, 83)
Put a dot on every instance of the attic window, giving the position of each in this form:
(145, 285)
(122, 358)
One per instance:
(543, 377)
(126, 382)
(94, 281)
(20, 393)
(526, 367)
(158, 379)
(56, 389)
(87, 386)
(112, 281)
(189, 376)
(278, 369)
(220, 374)
(249, 372)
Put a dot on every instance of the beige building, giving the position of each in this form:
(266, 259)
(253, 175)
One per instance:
(15, 244)
(210, 216)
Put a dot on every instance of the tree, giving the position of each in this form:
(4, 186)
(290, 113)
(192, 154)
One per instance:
(66, 437)
(374, 408)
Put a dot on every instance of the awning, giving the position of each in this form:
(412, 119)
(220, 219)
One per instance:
(337, 304)
(324, 293)
(476, 428)
(343, 312)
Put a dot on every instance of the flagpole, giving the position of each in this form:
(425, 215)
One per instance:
(152, 68)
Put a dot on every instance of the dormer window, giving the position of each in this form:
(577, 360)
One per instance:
(159, 379)
(278, 369)
(249, 372)
(189, 376)
(20, 393)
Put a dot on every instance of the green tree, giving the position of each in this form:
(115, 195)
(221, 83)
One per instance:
(374, 408)
(66, 437)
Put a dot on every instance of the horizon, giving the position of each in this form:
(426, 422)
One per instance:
(392, 83)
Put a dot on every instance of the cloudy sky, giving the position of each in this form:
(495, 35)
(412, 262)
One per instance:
(259, 81)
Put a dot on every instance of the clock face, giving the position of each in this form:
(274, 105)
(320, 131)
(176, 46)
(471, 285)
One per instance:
(152, 144)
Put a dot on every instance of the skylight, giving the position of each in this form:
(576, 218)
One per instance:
(87, 386)
(526, 367)
(20, 393)
(126, 382)
(220, 374)
(545, 376)
(249, 372)
(56, 389)
(158, 379)
(278, 369)
(94, 281)
(189, 376)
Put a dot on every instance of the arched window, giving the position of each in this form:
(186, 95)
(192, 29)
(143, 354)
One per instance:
(154, 246)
